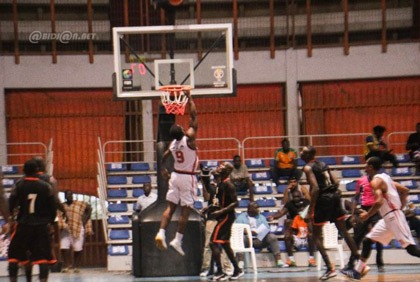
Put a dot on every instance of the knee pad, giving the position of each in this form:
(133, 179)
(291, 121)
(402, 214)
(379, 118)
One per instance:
(13, 269)
(43, 271)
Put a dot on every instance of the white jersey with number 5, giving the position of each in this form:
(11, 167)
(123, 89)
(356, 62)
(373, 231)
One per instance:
(186, 159)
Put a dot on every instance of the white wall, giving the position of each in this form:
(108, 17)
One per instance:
(290, 67)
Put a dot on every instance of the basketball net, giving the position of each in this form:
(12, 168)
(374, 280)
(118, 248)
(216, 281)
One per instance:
(175, 98)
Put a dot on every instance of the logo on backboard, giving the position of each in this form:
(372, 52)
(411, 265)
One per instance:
(219, 73)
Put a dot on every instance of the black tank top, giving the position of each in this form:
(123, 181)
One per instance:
(323, 176)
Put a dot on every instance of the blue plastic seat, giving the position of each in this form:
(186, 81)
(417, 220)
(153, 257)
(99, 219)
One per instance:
(266, 203)
(417, 211)
(9, 169)
(117, 180)
(401, 171)
(282, 246)
(117, 250)
(260, 176)
(351, 186)
(8, 182)
(281, 188)
(117, 193)
(272, 162)
(138, 192)
(351, 173)
(348, 160)
(118, 219)
(414, 198)
(210, 164)
(119, 234)
(142, 166)
(141, 179)
(264, 189)
(121, 207)
(116, 167)
(267, 214)
(198, 205)
(255, 163)
(402, 158)
(327, 160)
(243, 203)
(301, 162)
(410, 184)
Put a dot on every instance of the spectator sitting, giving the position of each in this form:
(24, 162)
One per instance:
(147, 198)
(376, 147)
(412, 219)
(298, 199)
(413, 147)
(240, 178)
(285, 162)
(260, 229)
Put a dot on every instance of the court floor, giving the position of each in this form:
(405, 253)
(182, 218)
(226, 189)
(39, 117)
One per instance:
(394, 272)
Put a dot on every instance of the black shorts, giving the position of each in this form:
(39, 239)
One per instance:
(328, 207)
(30, 243)
(222, 231)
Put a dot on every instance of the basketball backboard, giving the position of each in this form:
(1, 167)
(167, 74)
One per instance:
(146, 58)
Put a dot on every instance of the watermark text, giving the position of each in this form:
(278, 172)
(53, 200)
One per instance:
(64, 37)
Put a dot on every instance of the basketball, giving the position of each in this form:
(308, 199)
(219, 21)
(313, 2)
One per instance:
(175, 2)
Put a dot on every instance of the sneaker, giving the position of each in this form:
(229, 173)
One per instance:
(291, 263)
(65, 270)
(204, 273)
(381, 268)
(177, 246)
(280, 263)
(220, 276)
(354, 275)
(76, 270)
(312, 262)
(345, 269)
(160, 242)
(237, 274)
(366, 270)
(330, 273)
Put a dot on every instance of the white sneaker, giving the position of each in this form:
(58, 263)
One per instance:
(177, 246)
(160, 242)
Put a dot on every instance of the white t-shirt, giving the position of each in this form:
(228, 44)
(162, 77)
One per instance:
(144, 201)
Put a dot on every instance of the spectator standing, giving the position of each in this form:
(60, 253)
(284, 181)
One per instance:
(74, 230)
(147, 198)
(375, 146)
(4, 208)
(261, 235)
(240, 178)
(36, 206)
(285, 162)
(413, 147)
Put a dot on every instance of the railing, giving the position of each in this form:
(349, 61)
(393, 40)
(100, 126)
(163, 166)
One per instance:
(268, 24)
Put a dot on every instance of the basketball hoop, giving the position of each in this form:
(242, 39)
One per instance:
(175, 98)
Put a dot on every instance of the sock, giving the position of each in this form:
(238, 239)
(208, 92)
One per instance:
(162, 232)
(359, 266)
(311, 257)
(179, 236)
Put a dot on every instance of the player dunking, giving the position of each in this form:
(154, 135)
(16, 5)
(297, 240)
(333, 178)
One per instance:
(390, 197)
(182, 181)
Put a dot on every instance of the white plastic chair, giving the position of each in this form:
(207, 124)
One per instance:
(330, 234)
(237, 242)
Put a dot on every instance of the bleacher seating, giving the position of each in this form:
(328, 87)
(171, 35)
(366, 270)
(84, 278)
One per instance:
(120, 250)
(264, 203)
(117, 193)
(401, 171)
(119, 207)
(351, 186)
(410, 184)
(116, 167)
(281, 188)
(414, 199)
(243, 203)
(198, 205)
(255, 163)
(301, 162)
(119, 234)
(141, 179)
(9, 169)
(350, 160)
(351, 173)
(212, 164)
(138, 192)
(402, 158)
(117, 180)
(263, 189)
(327, 160)
(8, 182)
(119, 219)
(260, 176)
(141, 166)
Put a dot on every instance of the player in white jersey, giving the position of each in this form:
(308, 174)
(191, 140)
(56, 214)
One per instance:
(182, 181)
(390, 198)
